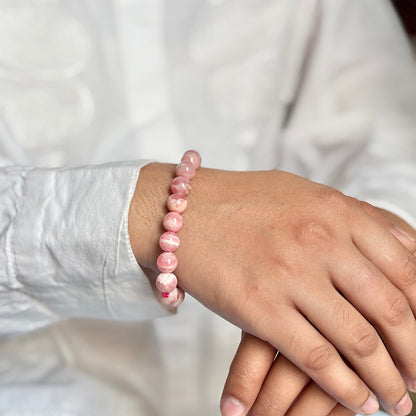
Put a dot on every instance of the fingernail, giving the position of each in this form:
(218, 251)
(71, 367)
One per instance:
(371, 406)
(405, 233)
(232, 407)
(404, 407)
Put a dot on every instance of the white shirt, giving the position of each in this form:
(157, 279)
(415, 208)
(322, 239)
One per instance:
(324, 89)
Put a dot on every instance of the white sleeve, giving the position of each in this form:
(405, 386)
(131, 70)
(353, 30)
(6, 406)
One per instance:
(65, 249)
(353, 124)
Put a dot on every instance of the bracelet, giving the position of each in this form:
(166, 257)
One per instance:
(167, 284)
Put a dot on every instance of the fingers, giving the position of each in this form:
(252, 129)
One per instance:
(313, 401)
(248, 370)
(283, 384)
(360, 344)
(396, 262)
(391, 223)
(398, 265)
(316, 356)
(263, 386)
(272, 387)
(388, 310)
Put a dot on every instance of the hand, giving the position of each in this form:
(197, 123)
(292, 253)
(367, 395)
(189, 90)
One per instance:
(294, 262)
(262, 385)
(266, 386)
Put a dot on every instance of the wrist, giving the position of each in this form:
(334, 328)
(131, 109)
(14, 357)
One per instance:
(147, 209)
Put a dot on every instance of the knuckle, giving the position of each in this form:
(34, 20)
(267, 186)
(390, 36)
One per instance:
(397, 311)
(313, 233)
(368, 208)
(333, 198)
(364, 342)
(320, 357)
(329, 195)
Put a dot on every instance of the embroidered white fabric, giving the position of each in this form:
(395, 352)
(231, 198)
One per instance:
(321, 88)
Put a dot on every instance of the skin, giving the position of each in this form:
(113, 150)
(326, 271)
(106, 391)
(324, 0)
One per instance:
(269, 386)
(254, 248)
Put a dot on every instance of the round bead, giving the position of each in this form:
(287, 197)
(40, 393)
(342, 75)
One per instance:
(177, 203)
(170, 294)
(166, 282)
(173, 221)
(181, 186)
(173, 298)
(169, 241)
(167, 262)
(192, 157)
(187, 170)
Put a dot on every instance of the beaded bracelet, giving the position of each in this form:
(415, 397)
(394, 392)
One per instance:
(170, 293)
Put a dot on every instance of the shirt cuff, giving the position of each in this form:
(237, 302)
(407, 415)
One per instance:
(71, 244)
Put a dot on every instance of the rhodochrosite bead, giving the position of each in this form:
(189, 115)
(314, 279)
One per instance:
(176, 203)
(187, 170)
(173, 298)
(166, 282)
(173, 221)
(167, 285)
(167, 262)
(181, 186)
(169, 241)
(192, 157)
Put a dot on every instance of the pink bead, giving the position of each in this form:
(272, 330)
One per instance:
(173, 221)
(169, 241)
(187, 170)
(167, 262)
(173, 298)
(177, 203)
(192, 157)
(166, 282)
(180, 186)
(170, 294)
